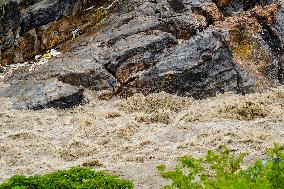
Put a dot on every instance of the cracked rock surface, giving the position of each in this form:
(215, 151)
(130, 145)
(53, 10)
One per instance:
(199, 67)
(192, 48)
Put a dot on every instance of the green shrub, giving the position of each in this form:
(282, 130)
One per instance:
(76, 177)
(223, 170)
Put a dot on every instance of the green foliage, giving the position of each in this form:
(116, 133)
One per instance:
(77, 178)
(223, 171)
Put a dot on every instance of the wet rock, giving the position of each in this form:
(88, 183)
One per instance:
(37, 95)
(199, 67)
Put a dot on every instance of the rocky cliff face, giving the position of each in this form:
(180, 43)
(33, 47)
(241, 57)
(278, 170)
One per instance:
(29, 27)
(187, 47)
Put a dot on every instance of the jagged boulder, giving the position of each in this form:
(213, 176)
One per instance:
(137, 53)
(248, 57)
(81, 71)
(199, 67)
(41, 94)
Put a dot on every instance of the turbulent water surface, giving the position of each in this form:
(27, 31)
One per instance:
(130, 137)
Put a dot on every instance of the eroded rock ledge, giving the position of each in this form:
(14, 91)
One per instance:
(191, 48)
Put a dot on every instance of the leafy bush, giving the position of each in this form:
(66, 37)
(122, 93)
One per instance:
(223, 170)
(76, 177)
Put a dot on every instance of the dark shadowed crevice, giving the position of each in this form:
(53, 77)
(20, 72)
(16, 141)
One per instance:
(27, 3)
(240, 88)
(249, 4)
(199, 11)
(275, 44)
(64, 102)
(177, 5)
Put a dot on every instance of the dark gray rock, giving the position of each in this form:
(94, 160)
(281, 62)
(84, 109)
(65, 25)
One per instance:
(199, 67)
(117, 30)
(133, 26)
(236, 7)
(76, 70)
(276, 47)
(137, 53)
(48, 18)
(159, 9)
(279, 22)
(147, 46)
(274, 37)
(279, 31)
(125, 57)
(46, 11)
(9, 24)
(152, 16)
(184, 26)
(26, 3)
(37, 95)
(18, 17)
(177, 5)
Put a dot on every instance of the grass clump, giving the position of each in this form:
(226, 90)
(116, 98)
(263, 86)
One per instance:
(77, 177)
(222, 170)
